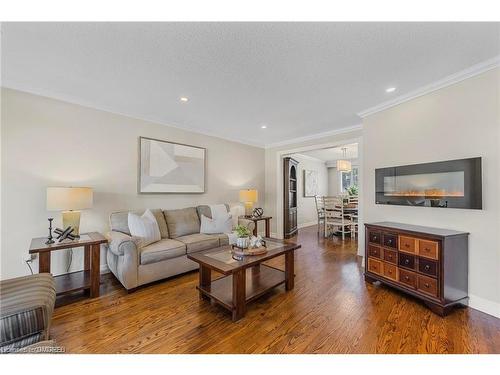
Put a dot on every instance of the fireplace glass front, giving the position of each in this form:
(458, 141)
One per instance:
(454, 183)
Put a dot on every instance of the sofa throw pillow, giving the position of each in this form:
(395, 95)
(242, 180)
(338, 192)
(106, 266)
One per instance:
(223, 224)
(144, 227)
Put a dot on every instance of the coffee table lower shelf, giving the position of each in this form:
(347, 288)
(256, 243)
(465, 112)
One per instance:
(259, 281)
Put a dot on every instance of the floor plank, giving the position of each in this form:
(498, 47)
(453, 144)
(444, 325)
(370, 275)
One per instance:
(331, 310)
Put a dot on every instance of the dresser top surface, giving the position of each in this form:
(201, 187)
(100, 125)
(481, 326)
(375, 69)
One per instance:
(418, 229)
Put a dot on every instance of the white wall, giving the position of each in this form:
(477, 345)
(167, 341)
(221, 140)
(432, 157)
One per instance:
(306, 206)
(46, 142)
(459, 121)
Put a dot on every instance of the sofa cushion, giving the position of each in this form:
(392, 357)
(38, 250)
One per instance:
(204, 209)
(162, 250)
(119, 221)
(182, 222)
(199, 242)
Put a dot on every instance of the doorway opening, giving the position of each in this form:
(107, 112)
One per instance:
(315, 175)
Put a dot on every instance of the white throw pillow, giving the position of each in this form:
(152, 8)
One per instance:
(144, 227)
(223, 224)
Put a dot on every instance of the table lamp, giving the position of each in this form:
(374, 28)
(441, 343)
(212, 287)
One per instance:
(69, 200)
(248, 197)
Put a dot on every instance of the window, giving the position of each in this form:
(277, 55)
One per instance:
(347, 179)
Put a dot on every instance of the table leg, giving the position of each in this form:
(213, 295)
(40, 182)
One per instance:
(239, 294)
(95, 272)
(268, 229)
(205, 280)
(86, 258)
(44, 262)
(289, 271)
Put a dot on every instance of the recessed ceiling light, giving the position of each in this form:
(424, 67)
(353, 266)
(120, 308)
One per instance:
(184, 99)
(263, 126)
(390, 89)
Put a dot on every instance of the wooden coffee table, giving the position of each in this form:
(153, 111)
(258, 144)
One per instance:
(244, 280)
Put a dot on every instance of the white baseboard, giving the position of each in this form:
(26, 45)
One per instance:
(484, 305)
(309, 224)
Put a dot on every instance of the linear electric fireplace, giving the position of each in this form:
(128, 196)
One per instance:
(447, 184)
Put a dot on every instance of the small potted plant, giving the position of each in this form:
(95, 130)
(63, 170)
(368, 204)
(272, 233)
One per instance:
(243, 239)
(352, 190)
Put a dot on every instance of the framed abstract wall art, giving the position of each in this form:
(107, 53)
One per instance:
(169, 167)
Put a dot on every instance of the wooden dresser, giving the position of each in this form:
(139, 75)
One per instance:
(428, 263)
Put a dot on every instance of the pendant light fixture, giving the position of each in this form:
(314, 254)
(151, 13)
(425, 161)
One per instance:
(344, 165)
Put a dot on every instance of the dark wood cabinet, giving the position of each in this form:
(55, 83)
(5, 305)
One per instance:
(290, 196)
(428, 263)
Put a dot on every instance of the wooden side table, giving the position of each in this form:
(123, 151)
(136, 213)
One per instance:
(89, 278)
(267, 219)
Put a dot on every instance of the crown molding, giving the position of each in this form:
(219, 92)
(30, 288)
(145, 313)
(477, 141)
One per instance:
(308, 157)
(315, 136)
(447, 81)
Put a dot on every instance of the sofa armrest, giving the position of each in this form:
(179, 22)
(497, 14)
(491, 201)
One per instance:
(27, 306)
(120, 242)
(247, 223)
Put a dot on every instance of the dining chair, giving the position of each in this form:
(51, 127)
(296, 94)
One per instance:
(320, 209)
(335, 216)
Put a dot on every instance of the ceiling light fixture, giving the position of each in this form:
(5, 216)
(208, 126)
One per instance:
(344, 165)
(390, 89)
(263, 126)
(184, 99)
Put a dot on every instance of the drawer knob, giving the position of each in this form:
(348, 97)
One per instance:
(407, 261)
(427, 267)
(390, 271)
(374, 237)
(407, 278)
(406, 245)
(427, 249)
(389, 242)
(390, 256)
(427, 285)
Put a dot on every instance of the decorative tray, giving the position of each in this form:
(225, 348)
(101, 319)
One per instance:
(239, 251)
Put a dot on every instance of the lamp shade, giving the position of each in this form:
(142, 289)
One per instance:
(344, 166)
(248, 195)
(69, 198)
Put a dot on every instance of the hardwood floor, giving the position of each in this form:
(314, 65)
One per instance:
(331, 310)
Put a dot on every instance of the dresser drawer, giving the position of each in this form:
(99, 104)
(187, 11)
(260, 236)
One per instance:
(407, 278)
(375, 266)
(390, 240)
(390, 271)
(427, 285)
(374, 236)
(375, 251)
(407, 261)
(428, 249)
(391, 256)
(407, 244)
(427, 266)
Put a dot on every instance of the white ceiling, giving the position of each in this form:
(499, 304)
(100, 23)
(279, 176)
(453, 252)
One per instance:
(297, 78)
(333, 153)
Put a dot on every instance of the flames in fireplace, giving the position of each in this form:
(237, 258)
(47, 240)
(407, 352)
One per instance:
(428, 193)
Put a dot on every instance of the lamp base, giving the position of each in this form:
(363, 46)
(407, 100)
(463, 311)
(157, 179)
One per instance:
(72, 219)
(248, 209)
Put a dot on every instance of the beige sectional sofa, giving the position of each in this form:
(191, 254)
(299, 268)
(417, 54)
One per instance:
(180, 233)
